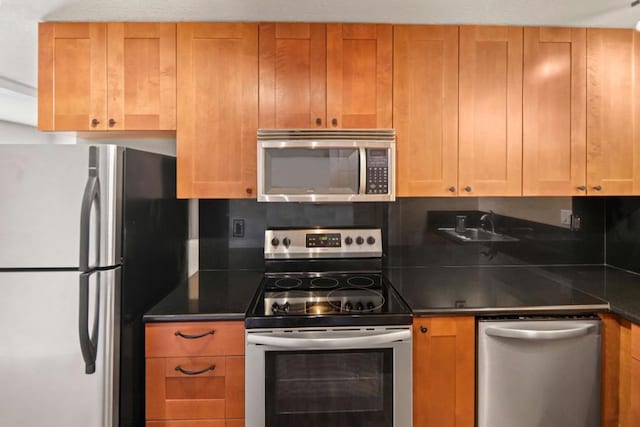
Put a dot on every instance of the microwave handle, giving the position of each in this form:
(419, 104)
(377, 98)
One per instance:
(363, 170)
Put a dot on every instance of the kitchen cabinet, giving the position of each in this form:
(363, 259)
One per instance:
(425, 109)
(325, 75)
(444, 371)
(490, 139)
(217, 110)
(107, 76)
(195, 374)
(620, 372)
(554, 112)
(613, 75)
(292, 75)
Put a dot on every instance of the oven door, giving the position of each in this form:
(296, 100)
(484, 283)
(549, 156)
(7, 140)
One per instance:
(342, 377)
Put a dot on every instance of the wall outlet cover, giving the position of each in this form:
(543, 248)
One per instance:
(565, 216)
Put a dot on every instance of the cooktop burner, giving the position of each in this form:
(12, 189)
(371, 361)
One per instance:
(320, 277)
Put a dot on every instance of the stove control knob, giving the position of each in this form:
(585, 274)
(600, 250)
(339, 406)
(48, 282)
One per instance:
(285, 307)
(348, 240)
(348, 306)
(275, 307)
(371, 240)
(275, 241)
(359, 306)
(359, 240)
(370, 306)
(286, 242)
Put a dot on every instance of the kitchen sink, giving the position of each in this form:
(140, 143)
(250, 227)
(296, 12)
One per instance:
(471, 235)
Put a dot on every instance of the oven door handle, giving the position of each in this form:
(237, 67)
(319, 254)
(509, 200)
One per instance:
(286, 342)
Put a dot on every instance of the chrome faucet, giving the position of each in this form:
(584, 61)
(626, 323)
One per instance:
(488, 217)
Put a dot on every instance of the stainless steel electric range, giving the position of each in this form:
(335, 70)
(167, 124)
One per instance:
(328, 338)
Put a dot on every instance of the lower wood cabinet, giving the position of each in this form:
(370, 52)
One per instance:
(195, 374)
(444, 371)
(620, 372)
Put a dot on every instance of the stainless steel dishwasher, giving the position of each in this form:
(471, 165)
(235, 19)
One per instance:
(539, 372)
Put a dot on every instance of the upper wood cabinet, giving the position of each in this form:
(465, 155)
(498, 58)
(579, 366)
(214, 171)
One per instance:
(490, 140)
(72, 76)
(115, 76)
(318, 75)
(554, 112)
(425, 109)
(217, 110)
(292, 75)
(359, 74)
(444, 371)
(613, 76)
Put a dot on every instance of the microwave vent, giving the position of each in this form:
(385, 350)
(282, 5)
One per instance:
(388, 135)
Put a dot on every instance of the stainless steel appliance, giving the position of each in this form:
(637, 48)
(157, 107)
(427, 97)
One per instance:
(91, 238)
(328, 339)
(539, 372)
(326, 165)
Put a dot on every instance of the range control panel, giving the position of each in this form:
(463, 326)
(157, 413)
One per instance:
(323, 243)
(377, 171)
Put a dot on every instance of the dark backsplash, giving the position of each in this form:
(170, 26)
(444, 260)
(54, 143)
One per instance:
(623, 232)
(410, 230)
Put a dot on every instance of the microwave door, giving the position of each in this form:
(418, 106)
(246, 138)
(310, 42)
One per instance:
(363, 170)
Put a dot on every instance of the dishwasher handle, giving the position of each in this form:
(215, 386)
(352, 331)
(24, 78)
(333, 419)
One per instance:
(537, 335)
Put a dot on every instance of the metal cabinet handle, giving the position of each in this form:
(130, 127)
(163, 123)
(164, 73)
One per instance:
(334, 122)
(452, 189)
(194, 337)
(467, 189)
(318, 121)
(598, 187)
(95, 122)
(423, 329)
(582, 187)
(197, 372)
(112, 122)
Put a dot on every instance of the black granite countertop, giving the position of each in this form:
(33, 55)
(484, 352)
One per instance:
(208, 295)
(225, 295)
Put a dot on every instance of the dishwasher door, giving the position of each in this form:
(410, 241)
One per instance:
(539, 373)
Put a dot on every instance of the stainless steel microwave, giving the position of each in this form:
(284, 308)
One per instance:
(326, 165)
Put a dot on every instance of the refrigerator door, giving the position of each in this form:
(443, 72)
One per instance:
(42, 193)
(41, 364)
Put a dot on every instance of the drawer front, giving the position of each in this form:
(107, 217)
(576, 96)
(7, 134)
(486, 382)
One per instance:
(195, 388)
(194, 339)
(188, 423)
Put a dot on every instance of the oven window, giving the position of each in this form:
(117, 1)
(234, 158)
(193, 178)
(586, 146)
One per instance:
(304, 171)
(337, 388)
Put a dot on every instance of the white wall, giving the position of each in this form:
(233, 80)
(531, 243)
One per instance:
(13, 133)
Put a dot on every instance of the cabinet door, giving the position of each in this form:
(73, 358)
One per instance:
(444, 372)
(555, 108)
(613, 152)
(490, 111)
(425, 109)
(292, 75)
(217, 110)
(72, 81)
(359, 71)
(141, 76)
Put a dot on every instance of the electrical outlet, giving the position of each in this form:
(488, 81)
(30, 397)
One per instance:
(238, 228)
(565, 216)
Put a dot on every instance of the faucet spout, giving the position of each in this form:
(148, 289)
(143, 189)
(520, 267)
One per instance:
(488, 217)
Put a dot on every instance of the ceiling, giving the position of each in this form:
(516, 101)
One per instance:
(18, 18)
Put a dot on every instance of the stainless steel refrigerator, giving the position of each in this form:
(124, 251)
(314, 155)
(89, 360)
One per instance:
(90, 238)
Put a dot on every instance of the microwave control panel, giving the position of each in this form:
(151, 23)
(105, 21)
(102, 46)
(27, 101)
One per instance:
(377, 171)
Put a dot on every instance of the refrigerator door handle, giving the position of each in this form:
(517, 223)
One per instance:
(91, 195)
(89, 341)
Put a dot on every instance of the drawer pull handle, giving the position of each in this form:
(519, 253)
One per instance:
(198, 372)
(194, 337)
